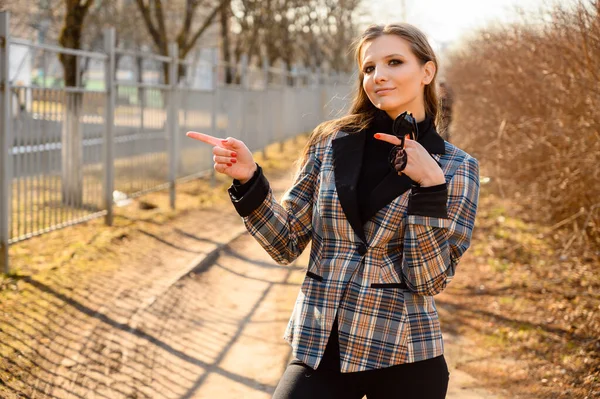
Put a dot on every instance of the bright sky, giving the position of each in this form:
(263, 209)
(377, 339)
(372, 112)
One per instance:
(447, 20)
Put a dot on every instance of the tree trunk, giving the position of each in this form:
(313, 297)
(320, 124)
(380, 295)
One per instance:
(72, 150)
(225, 45)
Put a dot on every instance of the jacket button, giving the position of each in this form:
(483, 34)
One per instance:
(361, 249)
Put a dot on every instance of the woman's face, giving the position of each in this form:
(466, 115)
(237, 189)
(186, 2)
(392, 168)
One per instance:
(393, 76)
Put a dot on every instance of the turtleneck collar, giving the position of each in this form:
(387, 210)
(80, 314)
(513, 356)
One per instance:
(428, 136)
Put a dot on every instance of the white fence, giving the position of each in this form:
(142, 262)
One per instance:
(67, 149)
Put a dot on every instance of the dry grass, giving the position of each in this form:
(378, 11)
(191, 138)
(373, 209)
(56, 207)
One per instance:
(518, 298)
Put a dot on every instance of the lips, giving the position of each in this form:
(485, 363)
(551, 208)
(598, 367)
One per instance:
(384, 90)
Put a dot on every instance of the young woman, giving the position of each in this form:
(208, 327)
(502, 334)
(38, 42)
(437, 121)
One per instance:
(383, 242)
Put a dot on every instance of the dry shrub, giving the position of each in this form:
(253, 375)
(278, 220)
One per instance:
(528, 107)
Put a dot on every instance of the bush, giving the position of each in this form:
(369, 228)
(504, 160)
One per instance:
(528, 107)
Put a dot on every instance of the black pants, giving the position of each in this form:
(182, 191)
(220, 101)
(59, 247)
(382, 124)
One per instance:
(427, 379)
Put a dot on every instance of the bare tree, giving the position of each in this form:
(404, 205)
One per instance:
(31, 20)
(249, 17)
(338, 31)
(74, 24)
(312, 32)
(187, 34)
(279, 41)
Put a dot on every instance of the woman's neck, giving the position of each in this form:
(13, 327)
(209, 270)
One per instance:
(419, 114)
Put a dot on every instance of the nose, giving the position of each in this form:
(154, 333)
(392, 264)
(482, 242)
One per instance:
(379, 76)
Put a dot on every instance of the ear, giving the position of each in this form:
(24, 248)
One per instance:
(429, 70)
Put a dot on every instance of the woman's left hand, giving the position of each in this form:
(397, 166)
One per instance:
(420, 167)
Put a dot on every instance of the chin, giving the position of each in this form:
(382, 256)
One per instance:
(386, 105)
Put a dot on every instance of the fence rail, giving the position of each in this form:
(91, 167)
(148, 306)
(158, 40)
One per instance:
(67, 151)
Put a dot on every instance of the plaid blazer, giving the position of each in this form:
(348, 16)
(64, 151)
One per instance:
(378, 278)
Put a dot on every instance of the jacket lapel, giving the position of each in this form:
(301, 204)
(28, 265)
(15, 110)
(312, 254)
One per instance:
(347, 160)
(391, 187)
(348, 150)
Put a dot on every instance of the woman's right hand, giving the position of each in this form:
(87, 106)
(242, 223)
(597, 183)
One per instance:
(231, 156)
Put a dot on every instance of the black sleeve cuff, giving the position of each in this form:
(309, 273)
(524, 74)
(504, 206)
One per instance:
(256, 190)
(429, 201)
(241, 189)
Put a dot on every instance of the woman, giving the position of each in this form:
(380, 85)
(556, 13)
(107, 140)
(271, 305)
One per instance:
(383, 242)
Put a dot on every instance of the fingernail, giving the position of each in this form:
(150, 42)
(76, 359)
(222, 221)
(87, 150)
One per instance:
(377, 136)
(229, 164)
(224, 141)
(233, 154)
(233, 160)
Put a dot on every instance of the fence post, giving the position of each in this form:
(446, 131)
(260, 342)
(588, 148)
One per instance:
(172, 121)
(282, 134)
(244, 71)
(267, 131)
(297, 113)
(141, 92)
(5, 142)
(243, 90)
(108, 147)
(319, 96)
(301, 86)
(295, 75)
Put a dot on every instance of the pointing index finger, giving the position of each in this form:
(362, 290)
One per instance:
(205, 138)
(390, 138)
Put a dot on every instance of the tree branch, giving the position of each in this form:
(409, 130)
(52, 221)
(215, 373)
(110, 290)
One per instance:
(188, 46)
(156, 37)
(190, 10)
(160, 19)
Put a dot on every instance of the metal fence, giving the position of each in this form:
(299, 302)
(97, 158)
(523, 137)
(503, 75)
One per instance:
(69, 151)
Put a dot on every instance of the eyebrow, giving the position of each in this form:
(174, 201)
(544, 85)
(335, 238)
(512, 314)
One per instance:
(386, 57)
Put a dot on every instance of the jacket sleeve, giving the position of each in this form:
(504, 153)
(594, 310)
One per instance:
(282, 229)
(433, 245)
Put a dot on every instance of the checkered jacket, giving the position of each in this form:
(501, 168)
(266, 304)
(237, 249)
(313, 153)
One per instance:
(378, 278)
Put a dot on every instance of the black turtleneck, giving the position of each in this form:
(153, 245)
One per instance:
(375, 163)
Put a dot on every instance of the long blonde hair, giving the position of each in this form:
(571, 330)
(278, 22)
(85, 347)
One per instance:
(362, 111)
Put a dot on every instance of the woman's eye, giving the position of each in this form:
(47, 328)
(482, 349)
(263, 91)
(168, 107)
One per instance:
(368, 69)
(395, 62)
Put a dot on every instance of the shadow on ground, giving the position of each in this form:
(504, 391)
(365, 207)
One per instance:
(151, 329)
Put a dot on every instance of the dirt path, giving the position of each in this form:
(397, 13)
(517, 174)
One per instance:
(156, 327)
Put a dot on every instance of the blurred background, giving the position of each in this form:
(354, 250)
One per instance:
(98, 94)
